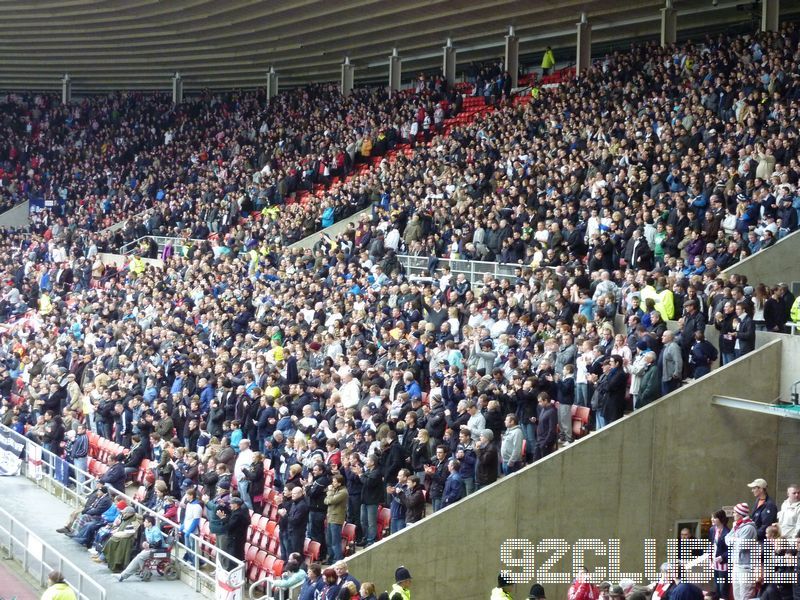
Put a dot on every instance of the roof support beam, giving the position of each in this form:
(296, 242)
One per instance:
(583, 58)
(449, 63)
(347, 77)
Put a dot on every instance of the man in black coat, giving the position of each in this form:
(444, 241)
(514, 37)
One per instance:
(546, 427)
(487, 456)
(236, 523)
(393, 458)
(297, 520)
(745, 334)
(115, 476)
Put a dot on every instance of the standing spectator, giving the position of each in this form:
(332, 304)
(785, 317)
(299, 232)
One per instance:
(243, 461)
(671, 364)
(437, 476)
(546, 427)
(565, 384)
(548, 61)
(316, 485)
(789, 515)
(503, 589)
(719, 552)
(236, 522)
(742, 574)
(765, 511)
(744, 330)
(701, 355)
(413, 498)
(486, 455)
(723, 321)
(190, 522)
(372, 494)
(297, 520)
(336, 501)
(79, 453)
(511, 446)
(396, 508)
(453, 487)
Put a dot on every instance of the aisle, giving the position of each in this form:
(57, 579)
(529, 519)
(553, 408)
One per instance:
(12, 587)
(43, 514)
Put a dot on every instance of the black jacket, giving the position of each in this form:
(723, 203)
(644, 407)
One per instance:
(372, 490)
(486, 466)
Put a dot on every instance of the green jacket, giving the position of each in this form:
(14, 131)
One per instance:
(650, 386)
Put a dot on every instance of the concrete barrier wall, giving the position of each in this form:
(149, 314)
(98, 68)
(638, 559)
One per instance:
(17, 217)
(676, 460)
(122, 261)
(773, 265)
(332, 231)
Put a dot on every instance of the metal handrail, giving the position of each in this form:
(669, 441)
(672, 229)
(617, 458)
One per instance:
(44, 478)
(474, 270)
(269, 591)
(177, 242)
(39, 558)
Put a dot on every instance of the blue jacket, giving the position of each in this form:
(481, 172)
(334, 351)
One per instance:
(453, 489)
(310, 588)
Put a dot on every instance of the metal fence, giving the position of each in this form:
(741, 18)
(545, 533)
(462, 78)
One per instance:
(38, 558)
(179, 244)
(474, 270)
(201, 569)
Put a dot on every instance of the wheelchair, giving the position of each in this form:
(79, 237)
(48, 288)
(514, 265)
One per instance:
(161, 562)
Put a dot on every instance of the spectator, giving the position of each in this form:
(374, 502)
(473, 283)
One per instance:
(789, 514)
(742, 578)
(765, 511)
(336, 501)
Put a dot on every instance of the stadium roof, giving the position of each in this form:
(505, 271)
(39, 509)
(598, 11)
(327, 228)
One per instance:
(139, 44)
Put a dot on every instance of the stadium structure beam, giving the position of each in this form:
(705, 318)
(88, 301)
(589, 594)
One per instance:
(347, 77)
(669, 25)
(770, 15)
(272, 84)
(512, 56)
(66, 89)
(395, 70)
(583, 58)
(449, 63)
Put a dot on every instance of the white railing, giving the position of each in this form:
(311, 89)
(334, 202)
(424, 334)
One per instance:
(41, 466)
(38, 558)
(474, 270)
(270, 591)
(178, 243)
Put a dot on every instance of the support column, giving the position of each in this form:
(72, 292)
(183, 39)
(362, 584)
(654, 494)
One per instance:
(272, 84)
(66, 89)
(669, 25)
(584, 54)
(512, 57)
(177, 89)
(770, 15)
(395, 70)
(347, 77)
(449, 63)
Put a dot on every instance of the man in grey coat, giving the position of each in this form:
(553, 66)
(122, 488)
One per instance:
(671, 364)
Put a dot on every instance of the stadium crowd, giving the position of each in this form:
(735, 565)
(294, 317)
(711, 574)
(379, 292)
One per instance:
(327, 372)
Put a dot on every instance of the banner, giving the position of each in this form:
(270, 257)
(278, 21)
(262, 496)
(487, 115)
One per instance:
(229, 583)
(10, 455)
(33, 452)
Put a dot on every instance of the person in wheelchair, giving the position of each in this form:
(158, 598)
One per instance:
(153, 540)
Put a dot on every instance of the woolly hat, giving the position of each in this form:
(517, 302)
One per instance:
(742, 509)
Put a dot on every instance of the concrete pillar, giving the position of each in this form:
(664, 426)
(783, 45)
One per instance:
(669, 25)
(449, 63)
(584, 54)
(66, 89)
(347, 77)
(512, 56)
(272, 84)
(770, 15)
(395, 70)
(177, 89)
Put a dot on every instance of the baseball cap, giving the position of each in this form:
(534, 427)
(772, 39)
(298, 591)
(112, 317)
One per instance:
(757, 483)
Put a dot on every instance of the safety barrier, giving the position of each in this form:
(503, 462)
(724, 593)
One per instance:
(38, 559)
(474, 270)
(72, 485)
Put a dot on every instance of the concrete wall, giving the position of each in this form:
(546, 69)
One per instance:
(678, 459)
(332, 231)
(17, 217)
(773, 265)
